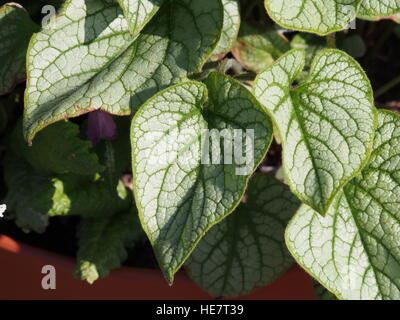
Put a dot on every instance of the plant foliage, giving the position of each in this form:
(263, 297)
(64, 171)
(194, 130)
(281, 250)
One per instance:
(184, 99)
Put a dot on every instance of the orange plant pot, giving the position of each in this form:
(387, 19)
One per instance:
(21, 278)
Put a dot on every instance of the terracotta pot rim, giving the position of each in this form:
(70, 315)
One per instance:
(13, 246)
(22, 278)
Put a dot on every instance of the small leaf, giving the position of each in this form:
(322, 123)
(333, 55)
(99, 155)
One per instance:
(256, 51)
(379, 9)
(101, 66)
(354, 250)
(326, 124)
(247, 249)
(230, 28)
(16, 28)
(317, 16)
(103, 243)
(179, 196)
(139, 12)
(58, 150)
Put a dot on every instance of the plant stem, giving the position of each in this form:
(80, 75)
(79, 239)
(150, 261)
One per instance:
(387, 87)
(211, 65)
(110, 165)
(331, 40)
(248, 76)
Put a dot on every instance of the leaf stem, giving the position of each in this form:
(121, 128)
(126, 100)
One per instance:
(110, 166)
(248, 76)
(331, 40)
(211, 65)
(388, 86)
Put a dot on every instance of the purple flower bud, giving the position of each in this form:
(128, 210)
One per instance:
(101, 126)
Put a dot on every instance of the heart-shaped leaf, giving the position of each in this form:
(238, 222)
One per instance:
(16, 28)
(326, 124)
(355, 250)
(247, 249)
(139, 12)
(88, 60)
(317, 16)
(183, 183)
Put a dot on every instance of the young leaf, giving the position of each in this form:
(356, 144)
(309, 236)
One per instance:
(354, 250)
(139, 12)
(256, 51)
(178, 194)
(378, 9)
(230, 27)
(16, 28)
(58, 150)
(101, 66)
(316, 16)
(247, 249)
(326, 124)
(103, 243)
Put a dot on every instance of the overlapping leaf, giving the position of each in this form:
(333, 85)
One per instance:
(89, 60)
(321, 293)
(317, 16)
(256, 51)
(139, 12)
(230, 27)
(16, 28)
(24, 185)
(355, 250)
(247, 249)
(34, 196)
(311, 44)
(378, 9)
(58, 150)
(59, 175)
(76, 196)
(326, 124)
(103, 243)
(178, 194)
